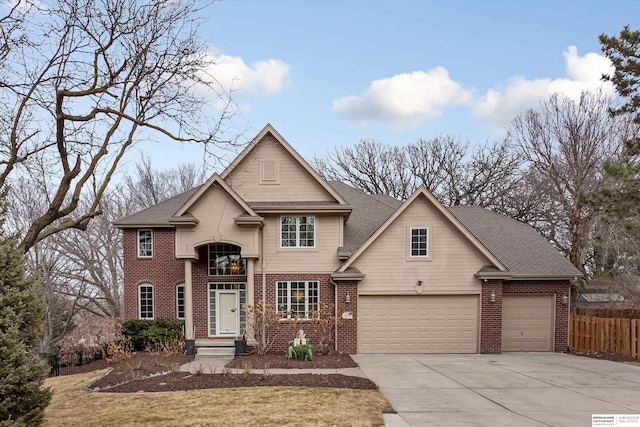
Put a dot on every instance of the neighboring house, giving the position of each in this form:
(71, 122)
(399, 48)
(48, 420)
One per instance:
(600, 300)
(407, 277)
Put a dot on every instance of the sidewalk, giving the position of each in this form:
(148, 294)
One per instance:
(215, 365)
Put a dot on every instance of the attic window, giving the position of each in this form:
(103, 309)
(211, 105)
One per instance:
(419, 242)
(269, 172)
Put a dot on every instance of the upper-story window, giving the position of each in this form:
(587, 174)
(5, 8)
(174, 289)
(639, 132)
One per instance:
(225, 260)
(145, 243)
(298, 231)
(419, 242)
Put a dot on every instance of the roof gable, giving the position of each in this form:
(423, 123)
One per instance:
(214, 180)
(422, 192)
(293, 178)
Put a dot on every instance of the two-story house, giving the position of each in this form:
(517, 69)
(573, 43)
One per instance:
(408, 276)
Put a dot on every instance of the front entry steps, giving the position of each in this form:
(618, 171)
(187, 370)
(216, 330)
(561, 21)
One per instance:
(214, 348)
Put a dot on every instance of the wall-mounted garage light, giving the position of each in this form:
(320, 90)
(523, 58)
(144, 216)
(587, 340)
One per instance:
(419, 287)
(492, 297)
(419, 283)
(565, 299)
(347, 299)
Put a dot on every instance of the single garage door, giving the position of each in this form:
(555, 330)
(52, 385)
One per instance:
(527, 322)
(418, 324)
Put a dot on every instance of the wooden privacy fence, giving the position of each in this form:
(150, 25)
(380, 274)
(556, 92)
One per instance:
(587, 333)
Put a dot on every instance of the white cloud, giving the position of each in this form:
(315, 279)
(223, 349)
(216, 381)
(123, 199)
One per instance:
(261, 77)
(404, 100)
(499, 105)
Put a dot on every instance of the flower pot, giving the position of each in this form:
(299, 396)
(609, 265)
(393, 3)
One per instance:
(241, 347)
(300, 356)
(189, 346)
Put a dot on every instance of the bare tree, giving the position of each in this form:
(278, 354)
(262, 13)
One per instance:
(437, 164)
(151, 186)
(487, 177)
(88, 79)
(566, 141)
(371, 166)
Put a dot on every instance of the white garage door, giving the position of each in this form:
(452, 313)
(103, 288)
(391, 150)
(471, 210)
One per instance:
(527, 322)
(418, 324)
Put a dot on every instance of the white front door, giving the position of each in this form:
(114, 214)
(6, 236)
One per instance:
(228, 313)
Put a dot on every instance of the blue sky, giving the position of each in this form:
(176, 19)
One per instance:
(329, 73)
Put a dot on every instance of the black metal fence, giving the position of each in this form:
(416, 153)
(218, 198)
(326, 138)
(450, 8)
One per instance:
(64, 364)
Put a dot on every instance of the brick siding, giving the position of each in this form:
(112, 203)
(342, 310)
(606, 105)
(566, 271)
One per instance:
(491, 316)
(163, 271)
(347, 331)
(559, 288)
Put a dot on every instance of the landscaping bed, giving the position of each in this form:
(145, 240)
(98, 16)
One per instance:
(152, 372)
(279, 361)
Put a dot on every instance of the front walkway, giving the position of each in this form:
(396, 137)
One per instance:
(215, 365)
(512, 389)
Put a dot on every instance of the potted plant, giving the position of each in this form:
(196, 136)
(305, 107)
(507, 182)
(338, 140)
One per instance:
(241, 344)
(300, 352)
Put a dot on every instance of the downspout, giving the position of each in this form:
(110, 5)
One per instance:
(335, 326)
(264, 286)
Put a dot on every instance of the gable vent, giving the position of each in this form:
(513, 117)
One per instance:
(269, 169)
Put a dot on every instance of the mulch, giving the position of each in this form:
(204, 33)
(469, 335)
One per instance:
(279, 361)
(153, 372)
(178, 381)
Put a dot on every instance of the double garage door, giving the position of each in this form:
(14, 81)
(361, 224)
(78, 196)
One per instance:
(418, 324)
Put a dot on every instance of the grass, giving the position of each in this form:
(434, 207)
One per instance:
(269, 406)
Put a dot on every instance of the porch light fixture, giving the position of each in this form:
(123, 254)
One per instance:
(565, 299)
(419, 283)
(347, 299)
(492, 297)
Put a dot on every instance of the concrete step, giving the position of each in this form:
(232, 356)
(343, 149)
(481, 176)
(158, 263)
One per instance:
(214, 343)
(215, 351)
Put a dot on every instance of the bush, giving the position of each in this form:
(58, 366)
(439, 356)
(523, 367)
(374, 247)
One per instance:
(165, 335)
(100, 335)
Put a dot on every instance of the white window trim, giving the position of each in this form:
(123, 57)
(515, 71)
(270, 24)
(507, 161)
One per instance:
(153, 301)
(410, 256)
(138, 242)
(177, 301)
(297, 246)
(306, 293)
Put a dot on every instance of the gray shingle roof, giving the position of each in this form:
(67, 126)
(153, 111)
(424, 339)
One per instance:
(517, 245)
(367, 215)
(158, 215)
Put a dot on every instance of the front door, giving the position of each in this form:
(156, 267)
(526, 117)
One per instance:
(228, 313)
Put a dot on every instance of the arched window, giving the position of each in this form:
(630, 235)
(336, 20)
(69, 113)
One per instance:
(145, 298)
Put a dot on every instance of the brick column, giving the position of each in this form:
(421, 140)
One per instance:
(491, 317)
(347, 328)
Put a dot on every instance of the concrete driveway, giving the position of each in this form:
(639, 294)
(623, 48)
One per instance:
(512, 389)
